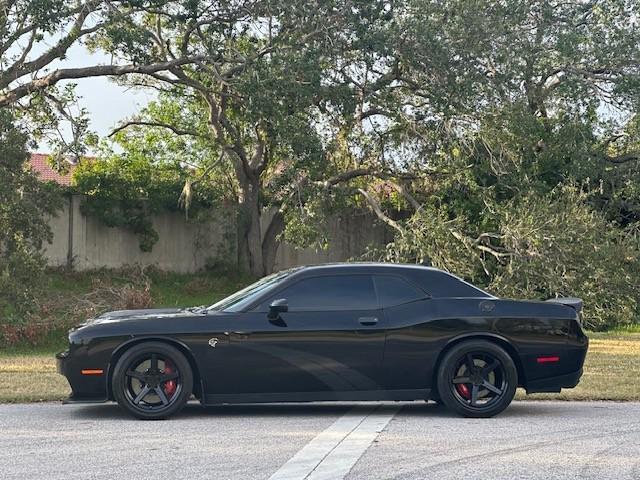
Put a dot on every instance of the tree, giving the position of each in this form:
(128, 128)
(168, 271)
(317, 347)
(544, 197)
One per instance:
(540, 192)
(280, 73)
(25, 202)
(126, 189)
(27, 26)
(35, 38)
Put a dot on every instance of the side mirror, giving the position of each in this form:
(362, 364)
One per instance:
(277, 307)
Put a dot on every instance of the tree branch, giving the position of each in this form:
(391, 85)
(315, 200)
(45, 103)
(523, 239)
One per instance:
(173, 128)
(375, 206)
(623, 158)
(94, 71)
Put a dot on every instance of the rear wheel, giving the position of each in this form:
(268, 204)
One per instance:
(477, 379)
(152, 381)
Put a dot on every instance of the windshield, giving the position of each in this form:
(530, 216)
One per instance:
(237, 301)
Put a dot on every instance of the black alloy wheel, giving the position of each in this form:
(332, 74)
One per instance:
(152, 381)
(477, 379)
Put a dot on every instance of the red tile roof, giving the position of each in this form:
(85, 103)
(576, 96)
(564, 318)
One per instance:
(39, 163)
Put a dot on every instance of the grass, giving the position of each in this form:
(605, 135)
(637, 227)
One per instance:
(30, 378)
(611, 371)
(167, 289)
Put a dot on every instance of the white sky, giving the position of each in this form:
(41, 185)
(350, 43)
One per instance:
(106, 102)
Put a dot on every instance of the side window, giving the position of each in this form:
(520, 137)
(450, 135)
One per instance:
(339, 292)
(396, 291)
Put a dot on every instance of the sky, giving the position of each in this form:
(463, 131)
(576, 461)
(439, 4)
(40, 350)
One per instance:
(106, 102)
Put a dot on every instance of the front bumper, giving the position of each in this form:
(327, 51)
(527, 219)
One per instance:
(84, 388)
(60, 361)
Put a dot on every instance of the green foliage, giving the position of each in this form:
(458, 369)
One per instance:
(126, 190)
(24, 204)
(559, 246)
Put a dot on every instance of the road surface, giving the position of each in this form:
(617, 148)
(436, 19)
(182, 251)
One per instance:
(530, 440)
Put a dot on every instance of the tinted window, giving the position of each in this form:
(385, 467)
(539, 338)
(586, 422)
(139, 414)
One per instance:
(396, 291)
(340, 292)
(239, 300)
(443, 285)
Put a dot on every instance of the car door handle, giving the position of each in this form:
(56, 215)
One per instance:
(241, 335)
(368, 321)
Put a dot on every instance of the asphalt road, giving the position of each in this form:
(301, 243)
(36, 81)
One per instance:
(532, 440)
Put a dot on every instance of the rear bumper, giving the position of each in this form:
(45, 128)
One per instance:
(554, 384)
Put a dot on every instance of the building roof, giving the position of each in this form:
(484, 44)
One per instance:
(39, 163)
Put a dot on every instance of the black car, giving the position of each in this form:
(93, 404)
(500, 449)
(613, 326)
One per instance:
(349, 332)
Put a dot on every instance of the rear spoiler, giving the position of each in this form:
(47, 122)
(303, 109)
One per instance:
(573, 302)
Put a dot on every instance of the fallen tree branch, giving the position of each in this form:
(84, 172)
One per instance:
(375, 206)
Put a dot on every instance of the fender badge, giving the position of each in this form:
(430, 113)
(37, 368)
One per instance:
(213, 342)
(486, 306)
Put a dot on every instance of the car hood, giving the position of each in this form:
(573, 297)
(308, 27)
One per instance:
(151, 313)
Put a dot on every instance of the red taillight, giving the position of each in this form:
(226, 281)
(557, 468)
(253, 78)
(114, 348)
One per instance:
(548, 359)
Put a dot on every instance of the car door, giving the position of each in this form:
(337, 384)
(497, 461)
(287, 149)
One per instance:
(329, 342)
(409, 351)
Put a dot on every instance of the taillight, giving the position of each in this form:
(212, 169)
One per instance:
(548, 359)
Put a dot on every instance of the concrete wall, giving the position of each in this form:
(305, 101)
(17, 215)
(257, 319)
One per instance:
(187, 246)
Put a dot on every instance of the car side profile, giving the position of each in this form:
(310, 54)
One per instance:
(348, 332)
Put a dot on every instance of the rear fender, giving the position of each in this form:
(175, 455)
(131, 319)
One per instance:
(499, 340)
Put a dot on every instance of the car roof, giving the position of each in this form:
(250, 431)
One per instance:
(446, 285)
(365, 266)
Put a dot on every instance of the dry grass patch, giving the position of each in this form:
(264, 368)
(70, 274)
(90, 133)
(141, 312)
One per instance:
(31, 378)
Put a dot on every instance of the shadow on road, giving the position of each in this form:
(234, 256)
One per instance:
(416, 409)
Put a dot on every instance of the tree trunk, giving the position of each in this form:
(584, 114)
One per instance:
(249, 231)
(270, 242)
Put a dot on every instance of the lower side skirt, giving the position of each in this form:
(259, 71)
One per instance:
(350, 396)
(72, 401)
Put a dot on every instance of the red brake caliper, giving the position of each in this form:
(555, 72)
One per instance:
(463, 390)
(170, 386)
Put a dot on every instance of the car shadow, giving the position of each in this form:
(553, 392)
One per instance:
(516, 409)
(112, 411)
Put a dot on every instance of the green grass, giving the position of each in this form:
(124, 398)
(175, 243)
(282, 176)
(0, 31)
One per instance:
(167, 289)
(633, 328)
(176, 290)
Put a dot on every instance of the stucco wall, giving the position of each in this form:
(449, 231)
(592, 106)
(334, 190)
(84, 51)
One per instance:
(188, 246)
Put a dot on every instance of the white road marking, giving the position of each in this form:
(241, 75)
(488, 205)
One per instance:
(333, 453)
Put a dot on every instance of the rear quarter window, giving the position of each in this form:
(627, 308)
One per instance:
(443, 285)
(394, 291)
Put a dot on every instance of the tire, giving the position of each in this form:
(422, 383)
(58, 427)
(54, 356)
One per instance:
(477, 379)
(152, 381)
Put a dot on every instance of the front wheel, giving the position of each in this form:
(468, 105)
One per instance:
(477, 379)
(152, 381)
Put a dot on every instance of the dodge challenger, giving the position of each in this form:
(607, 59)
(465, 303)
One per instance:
(336, 332)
